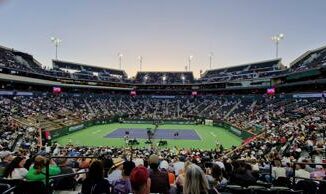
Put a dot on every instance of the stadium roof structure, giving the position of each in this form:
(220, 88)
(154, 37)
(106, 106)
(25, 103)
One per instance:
(80, 66)
(306, 54)
(22, 54)
(242, 66)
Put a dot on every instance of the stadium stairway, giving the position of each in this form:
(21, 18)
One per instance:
(201, 113)
(232, 109)
(89, 106)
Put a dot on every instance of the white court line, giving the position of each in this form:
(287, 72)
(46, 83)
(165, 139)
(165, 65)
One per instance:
(97, 131)
(213, 134)
(199, 135)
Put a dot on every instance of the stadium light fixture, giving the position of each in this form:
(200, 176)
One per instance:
(183, 78)
(56, 41)
(277, 38)
(189, 61)
(120, 55)
(211, 54)
(140, 58)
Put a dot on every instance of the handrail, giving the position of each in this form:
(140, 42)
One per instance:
(47, 168)
(9, 190)
(294, 168)
(68, 174)
(71, 157)
(319, 180)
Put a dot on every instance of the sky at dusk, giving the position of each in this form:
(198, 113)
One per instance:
(164, 32)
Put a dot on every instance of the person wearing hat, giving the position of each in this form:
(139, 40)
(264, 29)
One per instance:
(115, 173)
(164, 166)
(159, 179)
(123, 186)
(140, 181)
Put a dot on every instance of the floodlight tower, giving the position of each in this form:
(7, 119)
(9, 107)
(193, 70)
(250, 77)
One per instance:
(189, 61)
(211, 54)
(120, 55)
(56, 41)
(277, 38)
(140, 58)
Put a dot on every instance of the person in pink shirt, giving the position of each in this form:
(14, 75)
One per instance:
(319, 173)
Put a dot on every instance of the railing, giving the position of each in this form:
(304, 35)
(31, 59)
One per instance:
(295, 177)
(47, 169)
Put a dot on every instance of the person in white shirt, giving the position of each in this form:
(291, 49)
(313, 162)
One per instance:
(278, 170)
(179, 165)
(16, 170)
(301, 172)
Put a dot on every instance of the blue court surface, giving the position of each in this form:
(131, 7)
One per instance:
(139, 133)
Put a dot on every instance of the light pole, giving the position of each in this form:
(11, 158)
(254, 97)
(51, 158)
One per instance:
(56, 41)
(189, 61)
(140, 58)
(120, 55)
(277, 38)
(210, 59)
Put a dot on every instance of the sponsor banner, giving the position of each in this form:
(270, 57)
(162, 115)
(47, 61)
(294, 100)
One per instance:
(6, 93)
(236, 131)
(249, 140)
(75, 128)
(55, 134)
(163, 97)
(24, 93)
(308, 95)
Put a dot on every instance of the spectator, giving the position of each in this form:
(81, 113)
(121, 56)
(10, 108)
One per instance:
(195, 181)
(181, 178)
(6, 157)
(319, 173)
(164, 166)
(278, 170)
(37, 171)
(301, 172)
(217, 174)
(159, 179)
(123, 185)
(64, 183)
(95, 182)
(16, 170)
(179, 164)
(242, 174)
(116, 171)
(140, 181)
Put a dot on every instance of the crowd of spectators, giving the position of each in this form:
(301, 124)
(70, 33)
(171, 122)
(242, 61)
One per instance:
(291, 130)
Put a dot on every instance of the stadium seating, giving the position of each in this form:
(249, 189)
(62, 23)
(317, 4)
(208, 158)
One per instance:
(311, 59)
(281, 127)
(243, 72)
(164, 78)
